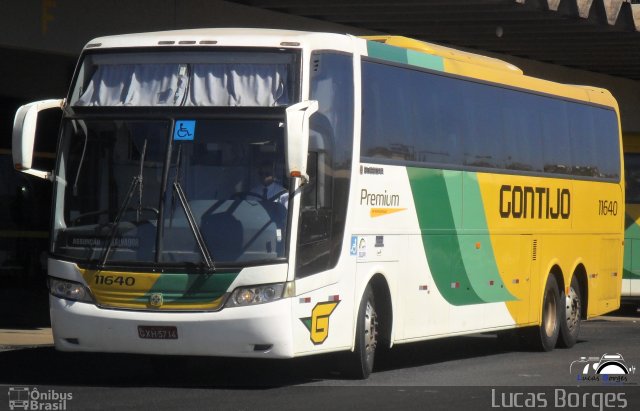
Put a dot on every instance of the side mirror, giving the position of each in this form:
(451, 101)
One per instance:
(297, 140)
(24, 135)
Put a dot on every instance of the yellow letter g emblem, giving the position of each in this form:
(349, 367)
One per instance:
(320, 321)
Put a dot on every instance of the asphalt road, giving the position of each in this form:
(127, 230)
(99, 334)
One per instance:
(471, 372)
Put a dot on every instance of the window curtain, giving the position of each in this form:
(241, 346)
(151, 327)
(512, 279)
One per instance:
(246, 85)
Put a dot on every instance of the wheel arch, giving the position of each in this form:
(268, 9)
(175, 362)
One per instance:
(556, 272)
(384, 307)
(580, 273)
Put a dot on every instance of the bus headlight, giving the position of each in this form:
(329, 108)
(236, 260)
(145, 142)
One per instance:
(69, 290)
(259, 294)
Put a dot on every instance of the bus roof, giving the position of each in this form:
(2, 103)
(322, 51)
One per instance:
(225, 37)
(446, 52)
(493, 70)
(456, 62)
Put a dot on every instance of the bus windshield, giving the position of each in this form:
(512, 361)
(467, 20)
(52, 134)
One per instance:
(171, 191)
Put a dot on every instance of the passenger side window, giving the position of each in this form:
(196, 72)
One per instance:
(314, 215)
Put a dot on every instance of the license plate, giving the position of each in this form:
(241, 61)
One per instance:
(157, 332)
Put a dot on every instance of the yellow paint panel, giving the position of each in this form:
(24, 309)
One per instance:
(124, 294)
(122, 290)
(570, 226)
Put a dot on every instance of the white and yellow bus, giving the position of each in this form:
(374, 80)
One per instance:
(416, 192)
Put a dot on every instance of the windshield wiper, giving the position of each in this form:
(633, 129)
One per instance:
(136, 181)
(194, 227)
(197, 234)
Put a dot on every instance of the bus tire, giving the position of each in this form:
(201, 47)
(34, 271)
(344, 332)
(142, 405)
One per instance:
(546, 335)
(571, 313)
(363, 355)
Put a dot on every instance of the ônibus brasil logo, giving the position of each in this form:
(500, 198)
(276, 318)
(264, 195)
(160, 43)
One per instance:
(25, 398)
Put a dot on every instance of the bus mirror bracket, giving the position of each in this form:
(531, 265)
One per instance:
(24, 135)
(297, 140)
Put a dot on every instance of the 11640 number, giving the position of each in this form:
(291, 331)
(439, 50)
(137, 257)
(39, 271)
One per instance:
(113, 279)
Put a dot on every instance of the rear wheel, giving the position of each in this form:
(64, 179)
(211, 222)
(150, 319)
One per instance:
(546, 334)
(363, 356)
(571, 315)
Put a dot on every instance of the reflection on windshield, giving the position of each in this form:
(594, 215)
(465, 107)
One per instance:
(202, 204)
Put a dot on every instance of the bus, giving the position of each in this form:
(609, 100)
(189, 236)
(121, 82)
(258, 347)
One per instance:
(430, 193)
(631, 273)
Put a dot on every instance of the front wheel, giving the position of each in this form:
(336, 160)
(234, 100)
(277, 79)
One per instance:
(571, 315)
(362, 358)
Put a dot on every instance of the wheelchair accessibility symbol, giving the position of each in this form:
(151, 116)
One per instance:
(184, 130)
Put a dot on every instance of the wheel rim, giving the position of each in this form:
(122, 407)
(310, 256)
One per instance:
(572, 309)
(550, 309)
(370, 333)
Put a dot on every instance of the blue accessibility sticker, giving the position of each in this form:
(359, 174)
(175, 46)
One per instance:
(353, 250)
(184, 130)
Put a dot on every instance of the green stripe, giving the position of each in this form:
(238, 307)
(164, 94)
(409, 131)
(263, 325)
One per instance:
(480, 263)
(631, 261)
(404, 56)
(632, 230)
(191, 288)
(452, 256)
(630, 275)
(384, 52)
(416, 58)
(439, 237)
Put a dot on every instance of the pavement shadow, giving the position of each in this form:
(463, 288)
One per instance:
(627, 310)
(45, 366)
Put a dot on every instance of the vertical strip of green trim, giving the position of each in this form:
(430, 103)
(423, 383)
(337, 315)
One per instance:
(415, 58)
(440, 241)
(404, 56)
(454, 258)
(477, 249)
(632, 230)
(385, 52)
(630, 260)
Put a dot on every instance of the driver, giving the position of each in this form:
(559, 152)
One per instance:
(269, 189)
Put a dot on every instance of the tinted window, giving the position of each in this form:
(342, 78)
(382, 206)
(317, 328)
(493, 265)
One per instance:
(324, 199)
(431, 119)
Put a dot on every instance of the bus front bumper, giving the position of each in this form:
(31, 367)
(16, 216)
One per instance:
(259, 331)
